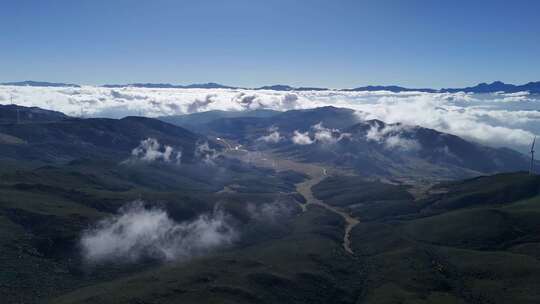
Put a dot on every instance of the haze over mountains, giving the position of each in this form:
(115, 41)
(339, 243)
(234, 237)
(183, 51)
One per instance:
(496, 86)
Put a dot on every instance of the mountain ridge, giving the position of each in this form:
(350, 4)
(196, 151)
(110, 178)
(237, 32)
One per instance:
(338, 137)
(493, 87)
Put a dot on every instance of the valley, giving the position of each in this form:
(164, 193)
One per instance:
(315, 174)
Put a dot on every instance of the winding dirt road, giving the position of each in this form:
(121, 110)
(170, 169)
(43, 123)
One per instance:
(304, 189)
(315, 173)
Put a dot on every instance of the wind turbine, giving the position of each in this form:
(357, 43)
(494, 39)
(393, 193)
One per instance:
(531, 170)
(16, 108)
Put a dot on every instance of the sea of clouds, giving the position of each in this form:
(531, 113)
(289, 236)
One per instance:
(497, 119)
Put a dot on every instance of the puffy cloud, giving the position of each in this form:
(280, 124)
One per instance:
(273, 137)
(497, 119)
(391, 137)
(151, 150)
(137, 232)
(327, 136)
(300, 138)
(319, 134)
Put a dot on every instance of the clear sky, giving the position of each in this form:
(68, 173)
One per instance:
(333, 43)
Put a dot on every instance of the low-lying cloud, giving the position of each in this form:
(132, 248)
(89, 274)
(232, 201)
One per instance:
(137, 233)
(318, 134)
(150, 150)
(326, 135)
(391, 137)
(496, 119)
(273, 136)
(301, 138)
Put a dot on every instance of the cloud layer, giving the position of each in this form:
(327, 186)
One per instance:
(496, 119)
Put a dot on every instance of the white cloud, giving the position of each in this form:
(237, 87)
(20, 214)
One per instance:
(300, 138)
(391, 137)
(151, 150)
(273, 137)
(137, 232)
(497, 119)
(318, 133)
(326, 135)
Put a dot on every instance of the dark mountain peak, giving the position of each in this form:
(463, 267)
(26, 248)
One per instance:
(276, 87)
(495, 86)
(32, 83)
(310, 89)
(484, 87)
(283, 87)
(15, 113)
(150, 85)
(327, 109)
(391, 88)
(494, 83)
(209, 85)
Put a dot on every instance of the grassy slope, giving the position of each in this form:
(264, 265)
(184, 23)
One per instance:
(485, 251)
(367, 200)
(44, 210)
(473, 241)
(482, 247)
(306, 266)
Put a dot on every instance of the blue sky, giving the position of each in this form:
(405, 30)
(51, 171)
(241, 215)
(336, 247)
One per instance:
(412, 43)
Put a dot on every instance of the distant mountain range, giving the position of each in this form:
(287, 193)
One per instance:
(496, 86)
(31, 83)
(209, 85)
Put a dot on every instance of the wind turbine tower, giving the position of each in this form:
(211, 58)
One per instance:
(16, 110)
(531, 170)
